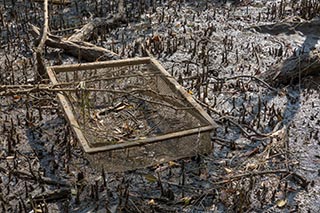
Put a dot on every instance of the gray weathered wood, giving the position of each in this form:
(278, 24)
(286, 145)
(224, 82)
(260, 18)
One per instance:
(183, 92)
(100, 64)
(86, 31)
(79, 49)
(293, 69)
(69, 114)
(40, 48)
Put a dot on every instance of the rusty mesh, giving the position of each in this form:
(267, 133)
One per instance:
(122, 104)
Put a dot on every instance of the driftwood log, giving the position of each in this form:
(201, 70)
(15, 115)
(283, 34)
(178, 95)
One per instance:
(85, 32)
(293, 69)
(290, 27)
(79, 49)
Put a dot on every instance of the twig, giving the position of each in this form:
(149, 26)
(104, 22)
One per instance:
(134, 205)
(91, 79)
(208, 107)
(304, 182)
(28, 176)
(248, 76)
(222, 141)
(261, 136)
(150, 93)
(63, 193)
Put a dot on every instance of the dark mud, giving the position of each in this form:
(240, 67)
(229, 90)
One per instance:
(266, 156)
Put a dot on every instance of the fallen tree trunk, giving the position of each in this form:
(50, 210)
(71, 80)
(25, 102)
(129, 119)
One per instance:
(293, 69)
(85, 32)
(79, 49)
(290, 27)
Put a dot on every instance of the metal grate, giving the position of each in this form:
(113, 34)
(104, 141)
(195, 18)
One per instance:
(129, 103)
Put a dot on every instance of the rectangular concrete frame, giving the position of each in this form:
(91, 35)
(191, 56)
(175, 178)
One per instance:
(129, 155)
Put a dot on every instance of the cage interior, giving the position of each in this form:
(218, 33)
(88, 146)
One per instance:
(120, 104)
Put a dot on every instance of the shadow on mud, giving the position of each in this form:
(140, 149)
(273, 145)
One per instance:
(48, 141)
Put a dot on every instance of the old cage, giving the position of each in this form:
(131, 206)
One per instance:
(130, 113)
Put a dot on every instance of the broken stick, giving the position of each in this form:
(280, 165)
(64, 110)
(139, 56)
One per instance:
(84, 50)
(41, 71)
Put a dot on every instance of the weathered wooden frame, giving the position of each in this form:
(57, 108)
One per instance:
(53, 70)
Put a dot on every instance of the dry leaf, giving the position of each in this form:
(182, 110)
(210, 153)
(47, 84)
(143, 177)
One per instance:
(281, 203)
(150, 178)
(38, 210)
(16, 97)
(156, 38)
(186, 200)
(152, 202)
(252, 166)
(173, 164)
(204, 174)
(73, 191)
(228, 170)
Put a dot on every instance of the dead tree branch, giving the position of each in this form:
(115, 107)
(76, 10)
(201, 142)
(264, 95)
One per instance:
(85, 32)
(84, 50)
(39, 51)
(304, 183)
